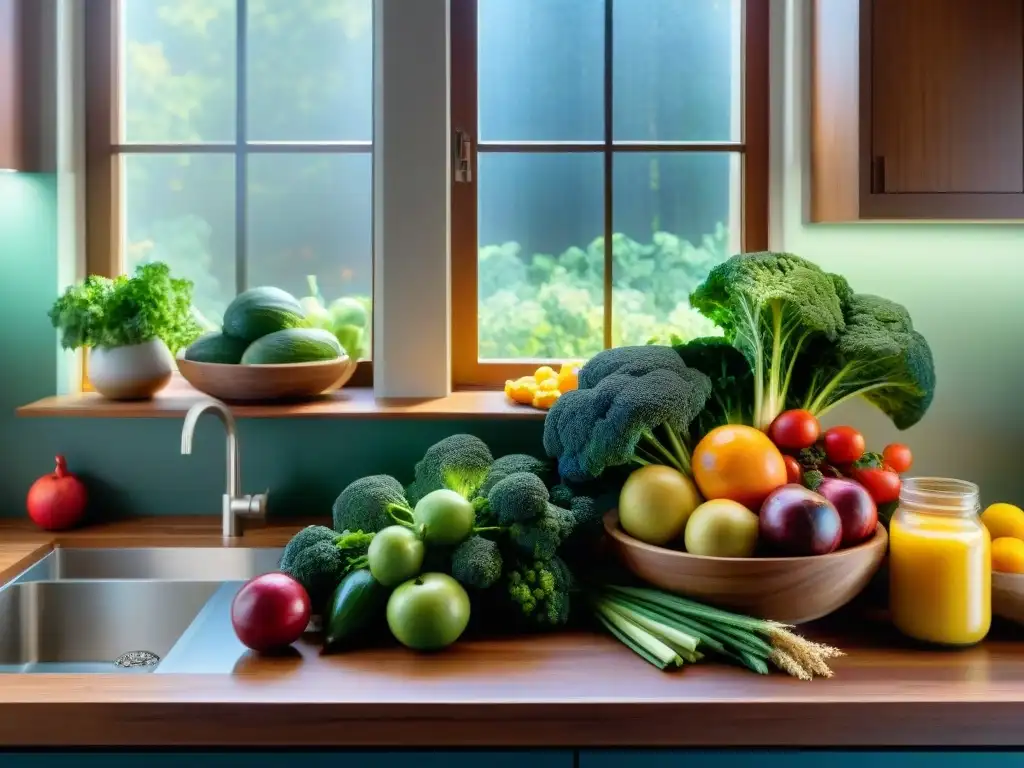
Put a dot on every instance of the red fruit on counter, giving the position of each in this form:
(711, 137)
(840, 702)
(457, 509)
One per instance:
(794, 430)
(270, 611)
(57, 501)
(843, 445)
(798, 522)
(857, 510)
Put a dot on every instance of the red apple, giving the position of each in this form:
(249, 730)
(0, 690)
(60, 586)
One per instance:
(270, 611)
(797, 522)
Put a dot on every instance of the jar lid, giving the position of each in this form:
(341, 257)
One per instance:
(940, 494)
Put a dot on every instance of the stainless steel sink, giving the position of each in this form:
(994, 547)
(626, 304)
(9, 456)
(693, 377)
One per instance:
(84, 626)
(164, 563)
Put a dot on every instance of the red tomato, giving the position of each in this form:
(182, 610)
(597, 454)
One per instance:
(794, 430)
(794, 472)
(882, 484)
(898, 457)
(843, 445)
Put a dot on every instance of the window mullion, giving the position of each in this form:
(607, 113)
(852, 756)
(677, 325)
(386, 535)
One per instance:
(241, 160)
(411, 199)
(609, 167)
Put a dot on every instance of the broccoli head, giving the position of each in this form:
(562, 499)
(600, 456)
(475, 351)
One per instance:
(561, 494)
(308, 536)
(627, 419)
(879, 357)
(542, 536)
(541, 591)
(629, 361)
(771, 306)
(363, 505)
(516, 462)
(319, 568)
(318, 558)
(518, 498)
(477, 562)
(459, 463)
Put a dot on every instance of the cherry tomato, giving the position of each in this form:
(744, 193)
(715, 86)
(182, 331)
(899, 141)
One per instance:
(898, 457)
(794, 472)
(843, 445)
(882, 484)
(794, 430)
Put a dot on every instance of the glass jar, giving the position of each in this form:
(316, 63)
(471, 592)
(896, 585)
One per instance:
(940, 567)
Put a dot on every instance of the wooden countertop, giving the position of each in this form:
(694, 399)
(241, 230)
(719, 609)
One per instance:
(569, 690)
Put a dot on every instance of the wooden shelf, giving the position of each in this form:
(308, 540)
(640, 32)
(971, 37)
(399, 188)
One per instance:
(355, 403)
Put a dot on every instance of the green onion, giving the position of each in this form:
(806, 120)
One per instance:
(668, 630)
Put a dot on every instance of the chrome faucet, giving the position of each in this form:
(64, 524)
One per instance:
(234, 505)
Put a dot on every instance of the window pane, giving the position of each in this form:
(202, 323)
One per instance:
(180, 209)
(178, 64)
(541, 270)
(676, 216)
(310, 70)
(676, 70)
(311, 214)
(541, 70)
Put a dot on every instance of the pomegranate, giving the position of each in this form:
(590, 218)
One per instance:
(57, 501)
(270, 611)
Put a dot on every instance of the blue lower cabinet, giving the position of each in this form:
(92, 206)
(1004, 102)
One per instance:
(775, 758)
(283, 758)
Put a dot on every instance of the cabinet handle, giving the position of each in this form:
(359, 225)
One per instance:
(878, 175)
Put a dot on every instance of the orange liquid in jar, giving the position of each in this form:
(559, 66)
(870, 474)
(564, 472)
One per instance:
(940, 575)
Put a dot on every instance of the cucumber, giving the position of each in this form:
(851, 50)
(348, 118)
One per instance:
(257, 312)
(293, 345)
(216, 348)
(358, 602)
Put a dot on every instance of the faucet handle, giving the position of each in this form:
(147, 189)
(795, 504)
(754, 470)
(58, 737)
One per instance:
(252, 506)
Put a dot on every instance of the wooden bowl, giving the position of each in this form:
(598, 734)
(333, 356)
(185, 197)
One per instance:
(1008, 596)
(792, 590)
(265, 383)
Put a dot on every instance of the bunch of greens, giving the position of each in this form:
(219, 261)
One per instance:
(104, 312)
(795, 336)
(508, 550)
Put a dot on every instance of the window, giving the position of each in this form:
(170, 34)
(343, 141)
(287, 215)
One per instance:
(617, 151)
(232, 139)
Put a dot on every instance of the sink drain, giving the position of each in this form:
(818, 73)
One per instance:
(137, 659)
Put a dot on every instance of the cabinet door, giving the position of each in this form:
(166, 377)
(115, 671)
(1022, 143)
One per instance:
(947, 96)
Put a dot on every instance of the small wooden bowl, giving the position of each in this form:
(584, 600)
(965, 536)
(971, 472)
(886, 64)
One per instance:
(1008, 596)
(265, 383)
(793, 590)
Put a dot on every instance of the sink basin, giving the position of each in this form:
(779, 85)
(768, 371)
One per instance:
(84, 626)
(163, 563)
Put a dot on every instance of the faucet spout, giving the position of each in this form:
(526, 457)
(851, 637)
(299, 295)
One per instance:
(233, 504)
(233, 482)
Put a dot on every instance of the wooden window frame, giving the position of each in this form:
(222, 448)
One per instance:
(104, 148)
(468, 372)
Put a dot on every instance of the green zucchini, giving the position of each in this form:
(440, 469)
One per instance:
(358, 602)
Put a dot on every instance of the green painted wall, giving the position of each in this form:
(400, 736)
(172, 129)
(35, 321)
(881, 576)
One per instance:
(962, 283)
(136, 466)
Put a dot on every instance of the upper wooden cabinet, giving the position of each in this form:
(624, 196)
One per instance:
(917, 109)
(27, 61)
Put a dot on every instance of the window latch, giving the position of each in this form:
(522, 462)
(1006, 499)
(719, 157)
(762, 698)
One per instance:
(463, 158)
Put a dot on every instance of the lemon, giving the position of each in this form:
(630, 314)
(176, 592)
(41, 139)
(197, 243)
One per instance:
(1004, 520)
(1008, 555)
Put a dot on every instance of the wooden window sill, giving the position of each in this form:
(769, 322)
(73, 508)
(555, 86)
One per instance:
(347, 403)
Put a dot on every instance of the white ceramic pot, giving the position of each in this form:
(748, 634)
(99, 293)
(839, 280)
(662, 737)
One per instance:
(134, 372)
